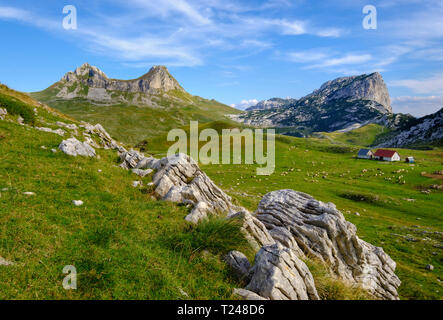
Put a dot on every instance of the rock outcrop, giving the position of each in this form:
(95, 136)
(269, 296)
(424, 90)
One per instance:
(273, 103)
(4, 262)
(105, 139)
(426, 130)
(3, 113)
(179, 179)
(278, 274)
(307, 226)
(239, 264)
(157, 80)
(348, 102)
(74, 148)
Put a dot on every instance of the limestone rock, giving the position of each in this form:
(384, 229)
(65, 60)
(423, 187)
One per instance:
(4, 262)
(254, 230)
(247, 295)
(77, 203)
(105, 139)
(239, 264)
(130, 159)
(3, 113)
(305, 225)
(142, 173)
(179, 179)
(278, 274)
(74, 148)
(60, 132)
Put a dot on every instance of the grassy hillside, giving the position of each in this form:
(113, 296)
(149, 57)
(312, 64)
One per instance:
(365, 136)
(131, 123)
(124, 244)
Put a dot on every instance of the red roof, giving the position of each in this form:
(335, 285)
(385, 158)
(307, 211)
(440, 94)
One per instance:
(385, 153)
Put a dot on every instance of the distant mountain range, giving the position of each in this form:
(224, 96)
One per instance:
(343, 104)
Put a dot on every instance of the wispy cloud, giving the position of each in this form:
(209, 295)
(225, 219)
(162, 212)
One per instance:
(177, 32)
(244, 104)
(432, 85)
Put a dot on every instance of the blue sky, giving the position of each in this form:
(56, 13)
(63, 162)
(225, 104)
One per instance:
(237, 52)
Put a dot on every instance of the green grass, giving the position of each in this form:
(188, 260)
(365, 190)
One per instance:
(365, 136)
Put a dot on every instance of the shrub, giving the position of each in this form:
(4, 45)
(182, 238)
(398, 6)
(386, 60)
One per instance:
(16, 107)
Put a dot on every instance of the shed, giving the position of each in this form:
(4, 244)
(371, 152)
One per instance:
(387, 155)
(365, 154)
(410, 160)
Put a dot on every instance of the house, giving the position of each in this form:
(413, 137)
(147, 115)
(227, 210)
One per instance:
(410, 160)
(387, 155)
(365, 154)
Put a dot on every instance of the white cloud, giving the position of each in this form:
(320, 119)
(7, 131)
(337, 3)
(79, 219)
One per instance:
(417, 106)
(320, 59)
(244, 104)
(432, 85)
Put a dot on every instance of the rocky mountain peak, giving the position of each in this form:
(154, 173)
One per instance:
(364, 87)
(159, 77)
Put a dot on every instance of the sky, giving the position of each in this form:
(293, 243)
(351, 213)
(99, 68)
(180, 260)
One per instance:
(235, 51)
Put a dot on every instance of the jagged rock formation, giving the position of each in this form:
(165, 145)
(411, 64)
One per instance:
(278, 274)
(348, 102)
(424, 130)
(179, 179)
(305, 225)
(59, 131)
(74, 148)
(273, 103)
(105, 139)
(158, 79)
(239, 264)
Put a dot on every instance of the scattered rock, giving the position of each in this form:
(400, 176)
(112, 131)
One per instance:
(4, 262)
(429, 267)
(278, 274)
(99, 170)
(142, 173)
(77, 203)
(318, 229)
(54, 150)
(357, 214)
(239, 264)
(3, 113)
(20, 120)
(436, 186)
(136, 184)
(74, 148)
(60, 132)
(43, 147)
(105, 139)
(247, 295)
(183, 293)
(29, 193)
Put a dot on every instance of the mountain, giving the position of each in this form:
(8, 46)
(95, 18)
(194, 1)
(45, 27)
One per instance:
(424, 131)
(131, 110)
(272, 104)
(342, 104)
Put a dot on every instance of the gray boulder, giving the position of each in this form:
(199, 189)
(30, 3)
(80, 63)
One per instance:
(278, 274)
(142, 173)
(247, 295)
(74, 148)
(4, 262)
(308, 226)
(239, 264)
